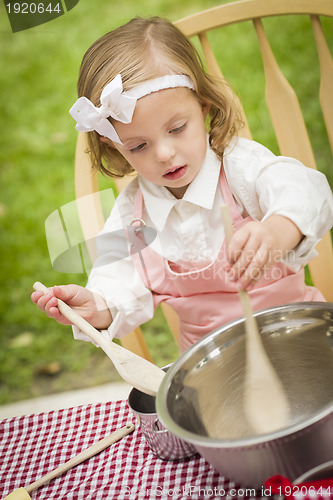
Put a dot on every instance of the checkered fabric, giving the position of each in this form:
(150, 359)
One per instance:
(33, 445)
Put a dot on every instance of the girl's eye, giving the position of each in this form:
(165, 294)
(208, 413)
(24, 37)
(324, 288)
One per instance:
(176, 130)
(138, 148)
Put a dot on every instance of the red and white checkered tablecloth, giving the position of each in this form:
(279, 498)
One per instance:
(33, 445)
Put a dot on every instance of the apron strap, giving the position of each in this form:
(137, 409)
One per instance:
(138, 205)
(229, 198)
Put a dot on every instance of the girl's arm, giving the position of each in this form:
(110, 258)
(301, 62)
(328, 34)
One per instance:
(266, 185)
(89, 305)
(258, 246)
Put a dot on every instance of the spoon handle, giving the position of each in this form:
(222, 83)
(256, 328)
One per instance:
(81, 457)
(250, 324)
(227, 223)
(78, 321)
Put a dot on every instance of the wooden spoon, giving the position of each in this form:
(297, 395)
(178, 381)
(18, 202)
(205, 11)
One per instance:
(265, 402)
(23, 493)
(137, 371)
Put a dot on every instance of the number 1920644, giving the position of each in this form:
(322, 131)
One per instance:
(33, 8)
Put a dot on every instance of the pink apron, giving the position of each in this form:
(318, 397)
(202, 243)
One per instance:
(204, 298)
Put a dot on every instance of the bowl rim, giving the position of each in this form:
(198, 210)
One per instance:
(308, 475)
(303, 426)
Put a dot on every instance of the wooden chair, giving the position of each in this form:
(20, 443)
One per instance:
(283, 106)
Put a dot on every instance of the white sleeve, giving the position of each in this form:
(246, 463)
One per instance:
(266, 184)
(115, 278)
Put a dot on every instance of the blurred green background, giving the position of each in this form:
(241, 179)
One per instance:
(39, 69)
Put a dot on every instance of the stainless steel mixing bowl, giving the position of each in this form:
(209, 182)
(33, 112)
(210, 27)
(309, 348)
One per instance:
(201, 397)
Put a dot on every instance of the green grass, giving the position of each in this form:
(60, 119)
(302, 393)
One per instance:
(37, 144)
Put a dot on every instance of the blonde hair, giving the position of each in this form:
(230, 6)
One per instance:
(141, 50)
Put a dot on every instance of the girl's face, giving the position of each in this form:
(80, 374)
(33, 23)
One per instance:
(166, 141)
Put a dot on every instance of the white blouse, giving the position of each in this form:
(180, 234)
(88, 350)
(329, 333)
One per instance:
(190, 229)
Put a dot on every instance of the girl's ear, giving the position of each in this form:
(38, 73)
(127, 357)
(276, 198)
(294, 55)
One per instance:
(106, 140)
(205, 106)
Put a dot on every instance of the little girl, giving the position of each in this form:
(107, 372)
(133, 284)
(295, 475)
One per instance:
(148, 106)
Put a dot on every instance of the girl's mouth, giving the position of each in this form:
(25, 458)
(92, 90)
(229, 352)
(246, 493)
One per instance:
(176, 173)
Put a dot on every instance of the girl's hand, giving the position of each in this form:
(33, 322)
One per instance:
(90, 306)
(258, 246)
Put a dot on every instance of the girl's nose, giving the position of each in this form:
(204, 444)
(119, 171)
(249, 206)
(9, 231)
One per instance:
(164, 151)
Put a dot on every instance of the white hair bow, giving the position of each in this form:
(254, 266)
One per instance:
(114, 103)
(118, 104)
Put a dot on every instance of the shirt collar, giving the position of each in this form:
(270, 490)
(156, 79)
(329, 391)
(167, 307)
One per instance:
(201, 192)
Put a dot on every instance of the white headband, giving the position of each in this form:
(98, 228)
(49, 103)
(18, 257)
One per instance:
(118, 104)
